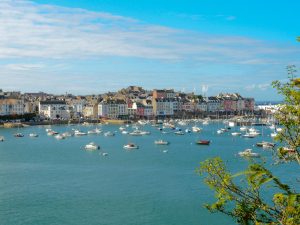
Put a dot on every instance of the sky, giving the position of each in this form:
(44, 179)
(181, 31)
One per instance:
(95, 46)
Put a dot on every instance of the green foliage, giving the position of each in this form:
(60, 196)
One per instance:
(244, 201)
(288, 116)
(246, 205)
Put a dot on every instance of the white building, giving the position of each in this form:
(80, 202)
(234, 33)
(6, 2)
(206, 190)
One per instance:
(163, 107)
(11, 107)
(201, 106)
(113, 109)
(54, 109)
(213, 104)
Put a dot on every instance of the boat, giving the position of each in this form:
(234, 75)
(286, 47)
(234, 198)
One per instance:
(161, 142)
(236, 133)
(145, 132)
(95, 131)
(122, 128)
(124, 132)
(205, 122)
(104, 154)
(52, 132)
(196, 129)
(18, 135)
(203, 142)
(248, 135)
(265, 144)
(130, 146)
(92, 146)
(278, 129)
(179, 132)
(188, 130)
(248, 153)
(109, 134)
(274, 134)
(67, 134)
(243, 128)
(33, 135)
(136, 133)
(59, 137)
(2, 138)
(79, 133)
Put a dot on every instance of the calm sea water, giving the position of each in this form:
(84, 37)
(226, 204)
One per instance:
(55, 182)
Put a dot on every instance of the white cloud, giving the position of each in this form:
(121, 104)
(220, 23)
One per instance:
(52, 32)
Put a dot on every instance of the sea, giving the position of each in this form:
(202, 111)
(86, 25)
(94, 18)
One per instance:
(45, 181)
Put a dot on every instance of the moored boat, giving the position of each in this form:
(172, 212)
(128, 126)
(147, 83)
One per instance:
(2, 138)
(248, 153)
(203, 142)
(131, 146)
(161, 142)
(33, 135)
(18, 135)
(91, 146)
(236, 133)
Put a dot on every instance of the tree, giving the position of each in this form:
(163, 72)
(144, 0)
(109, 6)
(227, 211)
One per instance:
(245, 202)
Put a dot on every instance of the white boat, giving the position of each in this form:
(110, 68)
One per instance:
(104, 154)
(220, 131)
(145, 132)
(205, 122)
(52, 133)
(278, 129)
(179, 132)
(130, 146)
(136, 133)
(231, 124)
(48, 129)
(161, 142)
(254, 133)
(33, 135)
(79, 133)
(109, 134)
(59, 137)
(248, 153)
(2, 138)
(272, 127)
(92, 146)
(248, 135)
(274, 134)
(66, 134)
(122, 128)
(124, 132)
(196, 129)
(188, 130)
(236, 133)
(95, 131)
(243, 128)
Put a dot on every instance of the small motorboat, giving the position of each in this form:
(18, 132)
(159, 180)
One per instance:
(92, 146)
(67, 134)
(274, 134)
(59, 137)
(203, 142)
(131, 146)
(52, 133)
(196, 129)
(188, 130)
(136, 133)
(2, 138)
(122, 128)
(248, 153)
(18, 135)
(243, 128)
(109, 134)
(179, 132)
(236, 133)
(248, 135)
(124, 132)
(265, 144)
(79, 133)
(95, 131)
(104, 154)
(33, 135)
(161, 142)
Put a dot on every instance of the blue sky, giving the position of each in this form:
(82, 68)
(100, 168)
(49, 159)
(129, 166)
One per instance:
(93, 46)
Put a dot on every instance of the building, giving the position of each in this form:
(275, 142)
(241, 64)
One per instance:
(163, 107)
(213, 104)
(90, 111)
(10, 106)
(54, 109)
(114, 109)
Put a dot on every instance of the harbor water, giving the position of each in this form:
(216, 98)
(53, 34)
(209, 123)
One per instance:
(57, 182)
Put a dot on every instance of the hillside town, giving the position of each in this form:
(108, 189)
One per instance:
(128, 103)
